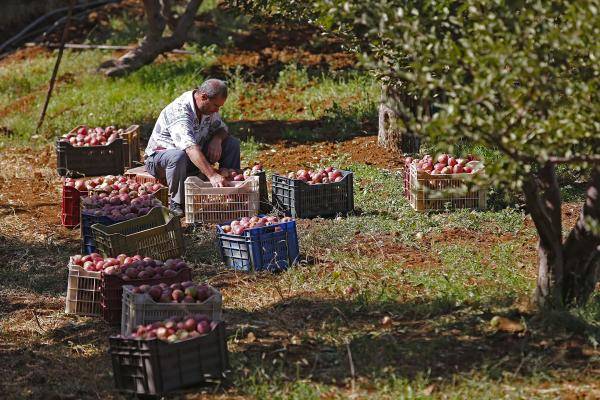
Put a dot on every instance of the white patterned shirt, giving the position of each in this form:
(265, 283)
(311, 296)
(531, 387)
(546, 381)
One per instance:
(178, 127)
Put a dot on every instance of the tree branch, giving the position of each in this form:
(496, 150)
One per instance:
(186, 20)
(167, 12)
(592, 159)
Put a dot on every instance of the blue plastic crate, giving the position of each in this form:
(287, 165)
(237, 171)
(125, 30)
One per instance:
(88, 245)
(260, 249)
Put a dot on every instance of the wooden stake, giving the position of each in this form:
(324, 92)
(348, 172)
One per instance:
(63, 40)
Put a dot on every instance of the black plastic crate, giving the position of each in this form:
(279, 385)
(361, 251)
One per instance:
(152, 367)
(301, 200)
(265, 205)
(89, 161)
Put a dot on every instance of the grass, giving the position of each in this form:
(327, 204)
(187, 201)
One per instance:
(83, 96)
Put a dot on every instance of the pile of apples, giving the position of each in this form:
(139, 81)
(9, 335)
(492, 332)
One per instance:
(184, 292)
(325, 175)
(110, 183)
(117, 197)
(119, 207)
(175, 329)
(129, 268)
(238, 227)
(86, 136)
(234, 175)
(446, 164)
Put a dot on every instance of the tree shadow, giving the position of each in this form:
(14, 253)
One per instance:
(334, 128)
(434, 338)
(39, 267)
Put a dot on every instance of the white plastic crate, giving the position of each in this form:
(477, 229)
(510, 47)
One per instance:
(209, 205)
(83, 292)
(428, 192)
(138, 309)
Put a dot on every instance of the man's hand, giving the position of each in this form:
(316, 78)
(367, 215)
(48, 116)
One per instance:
(214, 149)
(217, 180)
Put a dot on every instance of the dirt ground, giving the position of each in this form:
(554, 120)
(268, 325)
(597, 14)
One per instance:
(30, 231)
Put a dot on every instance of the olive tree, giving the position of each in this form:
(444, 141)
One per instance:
(519, 76)
(160, 14)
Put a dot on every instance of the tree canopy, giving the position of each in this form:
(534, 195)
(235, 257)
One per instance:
(521, 77)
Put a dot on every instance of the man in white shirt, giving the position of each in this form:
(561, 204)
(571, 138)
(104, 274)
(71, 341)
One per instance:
(189, 136)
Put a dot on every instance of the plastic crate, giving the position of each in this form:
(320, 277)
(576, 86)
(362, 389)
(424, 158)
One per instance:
(87, 219)
(151, 367)
(111, 292)
(301, 200)
(131, 146)
(265, 205)
(157, 234)
(89, 161)
(441, 192)
(210, 205)
(141, 175)
(71, 206)
(141, 309)
(83, 292)
(260, 249)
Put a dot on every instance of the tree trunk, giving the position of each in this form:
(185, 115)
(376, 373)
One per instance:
(582, 248)
(542, 197)
(154, 44)
(567, 273)
(393, 133)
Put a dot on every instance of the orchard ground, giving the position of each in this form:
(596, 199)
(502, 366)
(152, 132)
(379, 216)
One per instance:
(297, 100)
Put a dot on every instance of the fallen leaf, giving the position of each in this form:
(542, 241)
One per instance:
(506, 325)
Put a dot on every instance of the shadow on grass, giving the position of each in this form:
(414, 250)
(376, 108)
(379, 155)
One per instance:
(69, 362)
(306, 338)
(39, 267)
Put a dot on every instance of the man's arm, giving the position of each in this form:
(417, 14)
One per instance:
(195, 154)
(214, 147)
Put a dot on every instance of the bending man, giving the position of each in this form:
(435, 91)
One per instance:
(188, 137)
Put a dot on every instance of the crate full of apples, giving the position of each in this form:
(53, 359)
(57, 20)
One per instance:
(311, 193)
(255, 170)
(211, 205)
(178, 352)
(445, 183)
(107, 208)
(73, 190)
(146, 304)
(87, 151)
(85, 277)
(136, 271)
(259, 243)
